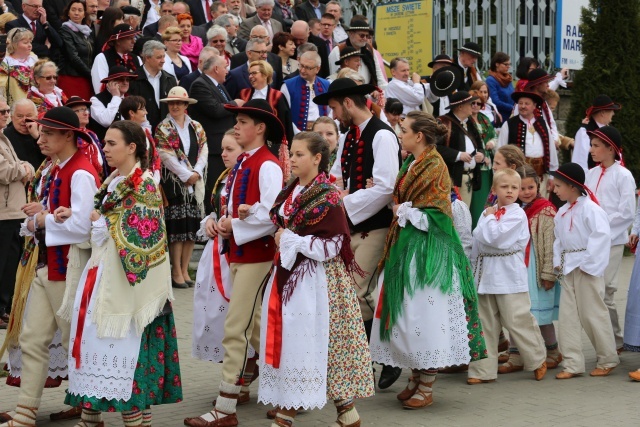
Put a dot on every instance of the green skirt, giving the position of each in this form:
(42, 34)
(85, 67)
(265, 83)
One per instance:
(479, 198)
(156, 380)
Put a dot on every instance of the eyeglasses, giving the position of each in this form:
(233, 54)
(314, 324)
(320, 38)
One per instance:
(32, 5)
(476, 104)
(175, 41)
(81, 110)
(364, 35)
(260, 52)
(325, 24)
(7, 111)
(508, 64)
(254, 73)
(49, 78)
(306, 67)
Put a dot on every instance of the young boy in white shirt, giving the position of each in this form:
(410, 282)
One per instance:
(499, 242)
(614, 188)
(581, 255)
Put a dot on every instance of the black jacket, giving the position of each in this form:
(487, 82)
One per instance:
(198, 14)
(54, 9)
(25, 146)
(77, 53)
(187, 80)
(453, 143)
(323, 51)
(142, 87)
(274, 60)
(305, 11)
(42, 33)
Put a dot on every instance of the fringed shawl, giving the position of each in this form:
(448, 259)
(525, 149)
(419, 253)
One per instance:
(133, 212)
(317, 211)
(438, 253)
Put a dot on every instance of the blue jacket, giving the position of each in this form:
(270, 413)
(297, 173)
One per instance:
(501, 96)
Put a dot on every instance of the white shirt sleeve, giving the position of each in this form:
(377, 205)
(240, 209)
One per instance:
(291, 244)
(410, 95)
(598, 244)
(366, 202)
(176, 166)
(557, 82)
(105, 115)
(503, 136)
(581, 149)
(99, 71)
(503, 234)
(333, 57)
(336, 169)
(415, 216)
(429, 95)
(202, 160)
(621, 218)
(77, 228)
(258, 224)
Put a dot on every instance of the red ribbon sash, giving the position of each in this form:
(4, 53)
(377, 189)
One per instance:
(89, 284)
(273, 347)
(217, 270)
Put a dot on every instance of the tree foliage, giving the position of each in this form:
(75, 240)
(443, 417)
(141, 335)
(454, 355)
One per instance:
(611, 66)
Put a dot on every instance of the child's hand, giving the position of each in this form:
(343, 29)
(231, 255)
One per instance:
(243, 211)
(369, 183)
(489, 211)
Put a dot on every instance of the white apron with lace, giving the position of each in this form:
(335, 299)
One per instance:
(432, 330)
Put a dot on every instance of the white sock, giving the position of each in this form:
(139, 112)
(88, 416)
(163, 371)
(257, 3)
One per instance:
(26, 411)
(224, 405)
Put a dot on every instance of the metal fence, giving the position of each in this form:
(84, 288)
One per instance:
(518, 27)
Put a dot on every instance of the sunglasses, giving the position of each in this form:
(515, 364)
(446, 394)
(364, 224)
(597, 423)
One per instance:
(7, 111)
(477, 104)
(49, 78)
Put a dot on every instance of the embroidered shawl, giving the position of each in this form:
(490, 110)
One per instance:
(134, 214)
(317, 211)
(42, 103)
(428, 186)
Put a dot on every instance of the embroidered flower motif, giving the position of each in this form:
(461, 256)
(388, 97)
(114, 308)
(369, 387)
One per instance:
(133, 220)
(132, 277)
(145, 228)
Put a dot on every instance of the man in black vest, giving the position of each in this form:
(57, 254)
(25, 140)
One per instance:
(461, 148)
(529, 131)
(105, 105)
(467, 59)
(370, 150)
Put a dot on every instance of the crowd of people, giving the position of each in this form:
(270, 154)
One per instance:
(348, 216)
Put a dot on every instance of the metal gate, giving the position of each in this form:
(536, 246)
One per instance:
(518, 27)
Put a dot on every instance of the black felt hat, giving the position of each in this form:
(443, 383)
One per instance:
(611, 136)
(532, 96)
(440, 59)
(572, 174)
(444, 81)
(62, 118)
(360, 25)
(131, 10)
(348, 52)
(460, 97)
(117, 72)
(472, 48)
(261, 110)
(536, 77)
(122, 31)
(602, 102)
(343, 87)
(74, 101)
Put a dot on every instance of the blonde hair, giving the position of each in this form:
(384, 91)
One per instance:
(265, 69)
(15, 36)
(503, 174)
(327, 121)
(171, 31)
(4, 18)
(39, 67)
(551, 95)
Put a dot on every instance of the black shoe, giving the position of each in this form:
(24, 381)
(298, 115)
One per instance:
(179, 285)
(388, 376)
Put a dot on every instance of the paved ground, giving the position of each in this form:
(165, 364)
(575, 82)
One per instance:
(515, 400)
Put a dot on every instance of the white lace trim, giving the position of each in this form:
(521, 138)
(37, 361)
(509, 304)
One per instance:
(289, 247)
(57, 359)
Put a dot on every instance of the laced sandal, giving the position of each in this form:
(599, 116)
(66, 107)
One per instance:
(243, 398)
(503, 357)
(553, 360)
(343, 409)
(425, 399)
(26, 412)
(409, 391)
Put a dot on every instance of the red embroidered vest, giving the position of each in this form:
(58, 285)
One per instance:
(60, 195)
(246, 190)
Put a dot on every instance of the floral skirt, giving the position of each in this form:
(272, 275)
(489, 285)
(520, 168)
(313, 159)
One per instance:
(349, 371)
(183, 219)
(157, 376)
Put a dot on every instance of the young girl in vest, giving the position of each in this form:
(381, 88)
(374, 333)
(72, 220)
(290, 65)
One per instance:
(580, 255)
(313, 281)
(543, 290)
